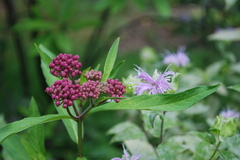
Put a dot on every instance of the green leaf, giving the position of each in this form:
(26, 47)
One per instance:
(226, 35)
(14, 148)
(208, 137)
(116, 69)
(160, 102)
(70, 124)
(34, 140)
(63, 43)
(146, 150)
(85, 23)
(232, 144)
(110, 60)
(229, 4)
(152, 117)
(224, 127)
(235, 87)
(33, 25)
(226, 155)
(46, 51)
(18, 126)
(126, 131)
(204, 150)
(163, 7)
(46, 59)
(82, 78)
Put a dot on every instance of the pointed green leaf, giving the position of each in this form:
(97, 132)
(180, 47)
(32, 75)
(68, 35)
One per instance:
(70, 124)
(226, 155)
(34, 140)
(15, 149)
(46, 59)
(12, 146)
(160, 102)
(116, 69)
(26, 123)
(110, 60)
(235, 87)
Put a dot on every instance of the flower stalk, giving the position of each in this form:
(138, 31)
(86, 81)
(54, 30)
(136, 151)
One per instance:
(215, 151)
(162, 127)
(80, 137)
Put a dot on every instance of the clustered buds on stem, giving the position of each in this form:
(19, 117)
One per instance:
(65, 65)
(115, 88)
(65, 91)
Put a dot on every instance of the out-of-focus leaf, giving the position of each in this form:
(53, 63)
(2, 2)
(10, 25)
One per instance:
(235, 87)
(18, 126)
(63, 42)
(163, 7)
(141, 4)
(229, 4)
(67, 10)
(226, 155)
(126, 131)
(85, 23)
(208, 137)
(232, 145)
(226, 35)
(33, 25)
(143, 148)
(160, 102)
(204, 150)
(110, 60)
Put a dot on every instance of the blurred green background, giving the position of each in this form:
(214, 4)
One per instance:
(88, 28)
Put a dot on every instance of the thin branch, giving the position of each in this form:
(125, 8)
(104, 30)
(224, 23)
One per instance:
(162, 128)
(70, 114)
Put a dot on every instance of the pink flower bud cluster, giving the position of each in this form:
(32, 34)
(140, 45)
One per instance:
(93, 75)
(115, 88)
(65, 65)
(89, 89)
(64, 92)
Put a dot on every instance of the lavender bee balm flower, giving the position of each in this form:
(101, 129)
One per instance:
(157, 84)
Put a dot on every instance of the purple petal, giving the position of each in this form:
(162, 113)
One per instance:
(135, 157)
(117, 158)
(142, 87)
(143, 75)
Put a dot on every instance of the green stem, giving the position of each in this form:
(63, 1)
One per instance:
(80, 154)
(161, 130)
(83, 114)
(215, 151)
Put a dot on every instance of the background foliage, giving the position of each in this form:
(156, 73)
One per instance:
(88, 28)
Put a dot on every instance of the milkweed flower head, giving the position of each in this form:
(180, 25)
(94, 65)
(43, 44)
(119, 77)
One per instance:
(65, 91)
(178, 59)
(230, 113)
(126, 156)
(158, 84)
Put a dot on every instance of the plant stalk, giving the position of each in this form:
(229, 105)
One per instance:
(215, 151)
(80, 154)
(161, 130)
